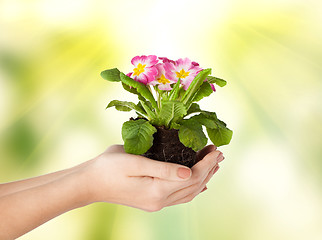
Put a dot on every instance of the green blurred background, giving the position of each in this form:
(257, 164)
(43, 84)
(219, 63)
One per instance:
(52, 103)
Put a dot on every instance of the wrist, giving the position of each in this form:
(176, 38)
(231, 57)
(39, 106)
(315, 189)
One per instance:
(87, 181)
(82, 188)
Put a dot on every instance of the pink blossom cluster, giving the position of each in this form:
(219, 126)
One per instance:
(163, 72)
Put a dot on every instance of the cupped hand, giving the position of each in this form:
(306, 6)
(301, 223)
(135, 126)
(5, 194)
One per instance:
(118, 177)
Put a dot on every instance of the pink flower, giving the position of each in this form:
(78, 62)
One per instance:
(185, 70)
(162, 79)
(144, 68)
(212, 87)
(164, 60)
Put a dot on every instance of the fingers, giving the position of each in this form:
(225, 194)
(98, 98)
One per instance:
(189, 193)
(210, 175)
(194, 188)
(216, 169)
(204, 189)
(163, 170)
(141, 166)
(208, 162)
(202, 172)
(199, 172)
(203, 152)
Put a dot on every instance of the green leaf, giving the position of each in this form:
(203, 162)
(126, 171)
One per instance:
(126, 106)
(204, 91)
(181, 93)
(194, 108)
(191, 135)
(140, 87)
(218, 81)
(164, 96)
(130, 89)
(137, 136)
(209, 115)
(195, 84)
(148, 109)
(112, 75)
(218, 133)
(175, 125)
(208, 119)
(170, 111)
(156, 88)
(209, 122)
(220, 124)
(175, 91)
(148, 104)
(220, 136)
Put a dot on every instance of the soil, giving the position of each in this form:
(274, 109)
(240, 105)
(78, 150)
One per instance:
(168, 148)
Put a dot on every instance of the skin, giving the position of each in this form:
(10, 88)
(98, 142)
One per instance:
(114, 177)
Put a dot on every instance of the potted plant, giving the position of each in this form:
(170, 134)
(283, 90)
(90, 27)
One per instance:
(169, 122)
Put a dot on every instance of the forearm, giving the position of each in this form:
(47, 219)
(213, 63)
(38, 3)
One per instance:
(16, 186)
(24, 210)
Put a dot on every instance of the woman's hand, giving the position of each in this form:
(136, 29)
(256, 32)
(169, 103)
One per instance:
(114, 176)
(132, 180)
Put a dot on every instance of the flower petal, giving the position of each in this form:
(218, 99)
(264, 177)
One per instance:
(169, 71)
(150, 73)
(213, 87)
(150, 60)
(165, 60)
(183, 63)
(142, 78)
(136, 60)
(195, 64)
(160, 68)
(166, 87)
(194, 71)
(129, 74)
(154, 82)
(187, 81)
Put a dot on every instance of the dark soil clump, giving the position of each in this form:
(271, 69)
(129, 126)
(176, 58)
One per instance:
(168, 148)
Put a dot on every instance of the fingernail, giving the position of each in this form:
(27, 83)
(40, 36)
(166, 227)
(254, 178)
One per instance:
(216, 169)
(184, 172)
(221, 159)
(220, 156)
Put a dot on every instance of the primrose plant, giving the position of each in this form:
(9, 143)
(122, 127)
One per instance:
(167, 91)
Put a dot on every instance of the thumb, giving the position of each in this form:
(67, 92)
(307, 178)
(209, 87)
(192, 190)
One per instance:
(163, 170)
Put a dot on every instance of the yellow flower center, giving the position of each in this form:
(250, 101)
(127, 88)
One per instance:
(182, 74)
(163, 80)
(139, 69)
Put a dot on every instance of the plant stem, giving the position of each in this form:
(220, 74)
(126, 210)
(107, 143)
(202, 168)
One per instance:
(159, 99)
